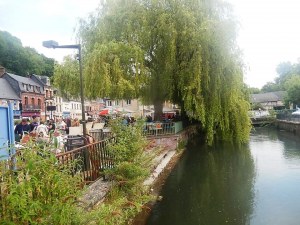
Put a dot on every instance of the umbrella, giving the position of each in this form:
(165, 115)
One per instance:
(104, 112)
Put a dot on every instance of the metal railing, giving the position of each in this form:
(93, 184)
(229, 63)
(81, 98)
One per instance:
(31, 107)
(99, 134)
(90, 160)
(162, 128)
(287, 116)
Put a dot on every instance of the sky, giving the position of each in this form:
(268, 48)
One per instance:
(268, 30)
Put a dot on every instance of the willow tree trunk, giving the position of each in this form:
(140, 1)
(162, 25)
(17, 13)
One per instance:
(158, 111)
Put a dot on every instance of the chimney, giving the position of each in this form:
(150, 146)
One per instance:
(2, 71)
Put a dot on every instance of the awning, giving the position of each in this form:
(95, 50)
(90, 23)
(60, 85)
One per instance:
(30, 114)
(104, 112)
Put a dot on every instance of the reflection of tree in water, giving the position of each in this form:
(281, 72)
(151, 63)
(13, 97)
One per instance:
(265, 133)
(210, 186)
(291, 144)
(290, 141)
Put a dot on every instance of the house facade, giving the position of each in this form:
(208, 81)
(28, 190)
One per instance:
(44, 81)
(7, 94)
(30, 92)
(269, 100)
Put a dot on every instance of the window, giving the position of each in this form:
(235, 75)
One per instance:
(128, 101)
(39, 102)
(32, 101)
(117, 102)
(108, 103)
(26, 100)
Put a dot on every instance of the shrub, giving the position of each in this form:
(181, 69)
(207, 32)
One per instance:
(38, 191)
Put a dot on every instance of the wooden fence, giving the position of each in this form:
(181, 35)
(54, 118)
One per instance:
(90, 160)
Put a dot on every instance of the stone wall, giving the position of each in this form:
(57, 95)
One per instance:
(290, 126)
(96, 192)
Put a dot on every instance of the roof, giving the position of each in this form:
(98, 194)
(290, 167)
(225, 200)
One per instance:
(28, 81)
(268, 97)
(6, 91)
(42, 79)
(25, 80)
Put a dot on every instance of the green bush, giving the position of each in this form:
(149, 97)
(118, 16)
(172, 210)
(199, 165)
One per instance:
(132, 164)
(131, 167)
(38, 191)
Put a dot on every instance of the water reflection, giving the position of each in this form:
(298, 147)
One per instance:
(255, 184)
(277, 159)
(209, 186)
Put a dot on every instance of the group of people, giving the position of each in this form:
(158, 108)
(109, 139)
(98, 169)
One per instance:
(127, 120)
(35, 126)
(41, 128)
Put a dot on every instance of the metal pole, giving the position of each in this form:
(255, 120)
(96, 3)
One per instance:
(81, 92)
(45, 111)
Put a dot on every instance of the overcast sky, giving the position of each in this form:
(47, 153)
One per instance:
(269, 32)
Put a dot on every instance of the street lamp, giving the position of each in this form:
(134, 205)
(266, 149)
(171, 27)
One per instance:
(54, 44)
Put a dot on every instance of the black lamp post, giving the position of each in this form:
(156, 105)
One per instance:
(54, 44)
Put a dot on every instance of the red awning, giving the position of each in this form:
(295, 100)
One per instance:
(104, 112)
(30, 114)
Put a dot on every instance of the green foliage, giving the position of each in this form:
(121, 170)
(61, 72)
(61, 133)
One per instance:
(132, 167)
(22, 60)
(182, 51)
(287, 80)
(253, 90)
(271, 86)
(292, 86)
(67, 77)
(39, 191)
(132, 164)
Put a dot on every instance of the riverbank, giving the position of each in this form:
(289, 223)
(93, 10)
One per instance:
(168, 150)
(158, 183)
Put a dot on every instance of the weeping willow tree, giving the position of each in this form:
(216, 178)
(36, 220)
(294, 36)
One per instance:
(178, 50)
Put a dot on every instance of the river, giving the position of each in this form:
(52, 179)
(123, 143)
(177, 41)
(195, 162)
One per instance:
(254, 184)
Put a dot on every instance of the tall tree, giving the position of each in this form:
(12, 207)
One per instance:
(22, 60)
(178, 50)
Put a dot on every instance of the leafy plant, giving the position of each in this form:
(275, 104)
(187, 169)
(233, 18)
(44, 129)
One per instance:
(39, 191)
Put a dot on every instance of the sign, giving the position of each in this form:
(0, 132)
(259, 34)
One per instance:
(51, 108)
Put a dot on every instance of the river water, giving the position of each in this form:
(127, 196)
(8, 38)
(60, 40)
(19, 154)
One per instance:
(253, 184)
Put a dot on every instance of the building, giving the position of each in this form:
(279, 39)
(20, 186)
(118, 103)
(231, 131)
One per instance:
(269, 100)
(31, 94)
(95, 108)
(130, 106)
(59, 101)
(49, 103)
(7, 93)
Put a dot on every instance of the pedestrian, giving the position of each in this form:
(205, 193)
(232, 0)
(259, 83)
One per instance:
(42, 130)
(34, 123)
(51, 125)
(22, 127)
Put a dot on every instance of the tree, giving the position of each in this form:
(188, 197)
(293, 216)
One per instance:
(253, 90)
(292, 86)
(67, 77)
(22, 61)
(182, 51)
(270, 87)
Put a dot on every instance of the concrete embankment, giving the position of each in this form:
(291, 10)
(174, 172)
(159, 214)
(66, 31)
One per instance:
(290, 126)
(168, 152)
